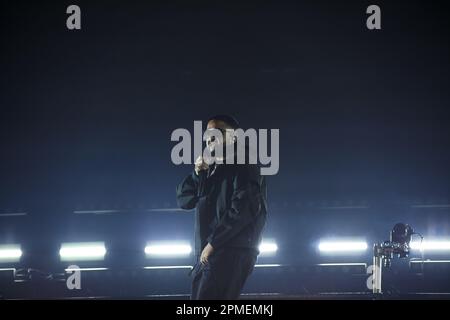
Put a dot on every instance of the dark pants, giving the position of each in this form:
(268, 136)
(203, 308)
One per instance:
(224, 276)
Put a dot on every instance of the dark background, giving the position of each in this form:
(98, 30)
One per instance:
(86, 116)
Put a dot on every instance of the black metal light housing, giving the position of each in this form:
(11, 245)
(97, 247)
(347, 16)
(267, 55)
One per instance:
(401, 234)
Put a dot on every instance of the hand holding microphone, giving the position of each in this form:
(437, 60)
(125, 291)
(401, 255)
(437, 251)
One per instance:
(200, 165)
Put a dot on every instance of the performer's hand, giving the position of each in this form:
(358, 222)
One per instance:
(207, 251)
(200, 165)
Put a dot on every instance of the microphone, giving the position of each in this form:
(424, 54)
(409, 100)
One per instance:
(201, 184)
(203, 175)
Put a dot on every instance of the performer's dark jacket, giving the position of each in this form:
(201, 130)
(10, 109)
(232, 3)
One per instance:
(231, 205)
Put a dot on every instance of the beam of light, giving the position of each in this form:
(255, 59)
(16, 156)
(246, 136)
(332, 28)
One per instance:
(431, 245)
(327, 247)
(343, 264)
(268, 265)
(85, 269)
(96, 211)
(168, 249)
(13, 214)
(166, 267)
(168, 210)
(10, 253)
(430, 261)
(273, 265)
(268, 247)
(82, 251)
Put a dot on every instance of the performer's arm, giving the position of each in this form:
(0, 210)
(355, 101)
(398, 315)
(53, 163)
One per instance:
(187, 191)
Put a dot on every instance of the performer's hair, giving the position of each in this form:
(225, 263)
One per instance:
(229, 120)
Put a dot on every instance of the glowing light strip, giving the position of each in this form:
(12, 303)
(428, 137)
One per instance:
(168, 249)
(167, 267)
(341, 264)
(190, 267)
(82, 251)
(85, 269)
(18, 214)
(10, 253)
(273, 265)
(431, 245)
(268, 247)
(431, 261)
(342, 246)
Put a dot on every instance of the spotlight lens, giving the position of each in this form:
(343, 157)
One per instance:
(268, 247)
(168, 249)
(10, 253)
(82, 251)
(342, 246)
(432, 245)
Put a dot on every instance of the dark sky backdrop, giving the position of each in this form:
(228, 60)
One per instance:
(86, 116)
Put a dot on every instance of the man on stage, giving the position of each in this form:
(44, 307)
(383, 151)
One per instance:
(231, 211)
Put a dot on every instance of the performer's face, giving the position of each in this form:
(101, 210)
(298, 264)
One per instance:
(211, 142)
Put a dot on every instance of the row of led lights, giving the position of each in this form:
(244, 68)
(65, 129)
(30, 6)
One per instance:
(91, 251)
(336, 247)
(85, 251)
